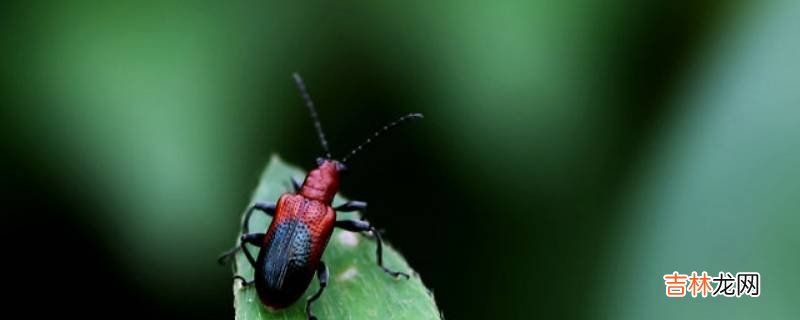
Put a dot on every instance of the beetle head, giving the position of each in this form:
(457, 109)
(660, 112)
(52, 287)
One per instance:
(322, 183)
(340, 167)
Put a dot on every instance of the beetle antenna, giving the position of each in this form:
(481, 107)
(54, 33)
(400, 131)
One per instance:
(301, 86)
(380, 131)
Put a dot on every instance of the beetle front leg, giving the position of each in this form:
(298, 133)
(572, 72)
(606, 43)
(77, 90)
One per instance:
(352, 205)
(363, 226)
(322, 275)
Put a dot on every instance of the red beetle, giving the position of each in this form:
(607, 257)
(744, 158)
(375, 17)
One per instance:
(291, 249)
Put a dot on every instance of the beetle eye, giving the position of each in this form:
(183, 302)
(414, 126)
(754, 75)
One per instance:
(320, 161)
(340, 167)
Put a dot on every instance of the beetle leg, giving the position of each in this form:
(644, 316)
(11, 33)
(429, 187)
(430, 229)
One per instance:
(268, 208)
(245, 283)
(352, 205)
(225, 256)
(363, 226)
(256, 239)
(322, 275)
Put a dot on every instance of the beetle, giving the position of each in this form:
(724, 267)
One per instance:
(302, 223)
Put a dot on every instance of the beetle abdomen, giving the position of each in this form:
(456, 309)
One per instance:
(286, 268)
(292, 249)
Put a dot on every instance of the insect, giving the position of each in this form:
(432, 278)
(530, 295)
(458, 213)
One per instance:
(302, 223)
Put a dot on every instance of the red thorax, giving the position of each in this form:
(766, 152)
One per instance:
(322, 183)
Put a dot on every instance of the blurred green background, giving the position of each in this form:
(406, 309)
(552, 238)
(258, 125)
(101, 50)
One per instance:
(572, 152)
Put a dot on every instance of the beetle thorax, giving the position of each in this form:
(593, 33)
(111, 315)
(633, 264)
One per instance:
(322, 183)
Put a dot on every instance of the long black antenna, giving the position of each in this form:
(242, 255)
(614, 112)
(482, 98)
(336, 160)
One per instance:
(385, 128)
(311, 110)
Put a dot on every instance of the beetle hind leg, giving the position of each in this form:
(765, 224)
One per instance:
(322, 275)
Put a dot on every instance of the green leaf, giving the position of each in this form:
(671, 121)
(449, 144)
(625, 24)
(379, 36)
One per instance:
(357, 288)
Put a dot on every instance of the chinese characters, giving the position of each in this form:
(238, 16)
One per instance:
(743, 284)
